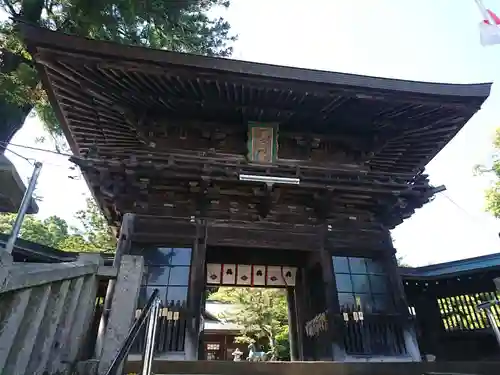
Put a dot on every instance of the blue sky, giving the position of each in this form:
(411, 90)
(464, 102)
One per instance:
(428, 40)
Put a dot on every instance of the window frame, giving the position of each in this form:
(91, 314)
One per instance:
(372, 269)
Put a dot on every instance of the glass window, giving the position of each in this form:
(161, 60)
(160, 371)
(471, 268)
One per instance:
(158, 275)
(340, 264)
(164, 256)
(374, 266)
(180, 256)
(179, 276)
(362, 284)
(167, 269)
(177, 293)
(379, 284)
(357, 265)
(344, 283)
(346, 301)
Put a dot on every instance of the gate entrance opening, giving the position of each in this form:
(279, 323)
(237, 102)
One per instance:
(249, 273)
(246, 323)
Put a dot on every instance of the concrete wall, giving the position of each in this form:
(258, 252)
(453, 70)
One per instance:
(45, 312)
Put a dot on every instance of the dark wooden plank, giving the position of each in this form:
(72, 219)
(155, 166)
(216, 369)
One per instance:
(316, 368)
(196, 292)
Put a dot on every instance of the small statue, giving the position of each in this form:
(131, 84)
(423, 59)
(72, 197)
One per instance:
(254, 355)
(237, 355)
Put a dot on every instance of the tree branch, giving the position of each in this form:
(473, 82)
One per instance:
(9, 5)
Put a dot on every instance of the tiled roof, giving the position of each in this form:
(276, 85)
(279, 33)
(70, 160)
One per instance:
(470, 265)
(216, 314)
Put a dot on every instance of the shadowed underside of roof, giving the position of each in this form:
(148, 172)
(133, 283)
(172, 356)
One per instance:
(104, 91)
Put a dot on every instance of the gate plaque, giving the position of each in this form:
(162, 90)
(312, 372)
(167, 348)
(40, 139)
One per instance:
(262, 142)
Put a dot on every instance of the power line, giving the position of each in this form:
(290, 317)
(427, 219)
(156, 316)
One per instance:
(38, 149)
(459, 207)
(474, 219)
(29, 160)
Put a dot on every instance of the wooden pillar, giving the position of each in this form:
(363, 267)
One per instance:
(429, 321)
(300, 312)
(335, 328)
(303, 312)
(196, 292)
(292, 323)
(402, 308)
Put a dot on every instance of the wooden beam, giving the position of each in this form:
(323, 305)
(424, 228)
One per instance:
(196, 290)
(335, 328)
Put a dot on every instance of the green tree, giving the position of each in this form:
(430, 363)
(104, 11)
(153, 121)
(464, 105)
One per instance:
(96, 232)
(262, 313)
(493, 192)
(53, 231)
(180, 25)
(401, 261)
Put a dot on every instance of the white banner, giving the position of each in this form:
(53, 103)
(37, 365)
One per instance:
(490, 34)
(490, 27)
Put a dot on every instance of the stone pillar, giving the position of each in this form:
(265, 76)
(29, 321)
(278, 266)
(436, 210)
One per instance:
(196, 292)
(123, 247)
(292, 323)
(123, 307)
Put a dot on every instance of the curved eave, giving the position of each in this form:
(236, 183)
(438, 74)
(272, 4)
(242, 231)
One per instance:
(95, 86)
(39, 38)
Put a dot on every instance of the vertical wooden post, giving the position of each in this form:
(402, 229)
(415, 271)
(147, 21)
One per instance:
(429, 320)
(301, 305)
(196, 291)
(335, 329)
(402, 308)
(292, 323)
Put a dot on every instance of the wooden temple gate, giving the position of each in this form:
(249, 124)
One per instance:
(229, 162)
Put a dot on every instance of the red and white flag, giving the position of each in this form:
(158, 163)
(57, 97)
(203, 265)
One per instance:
(489, 27)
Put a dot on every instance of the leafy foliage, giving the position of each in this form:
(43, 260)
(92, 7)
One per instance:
(55, 232)
(493, 193)
(177, 25)
(401, 262)
(461, 313)
(262, 313)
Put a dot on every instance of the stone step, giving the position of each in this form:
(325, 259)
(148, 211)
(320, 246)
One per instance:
(316, 368)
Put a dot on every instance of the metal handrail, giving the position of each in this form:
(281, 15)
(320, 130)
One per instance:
(151, 310)
(149, 348)
(486, 306)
